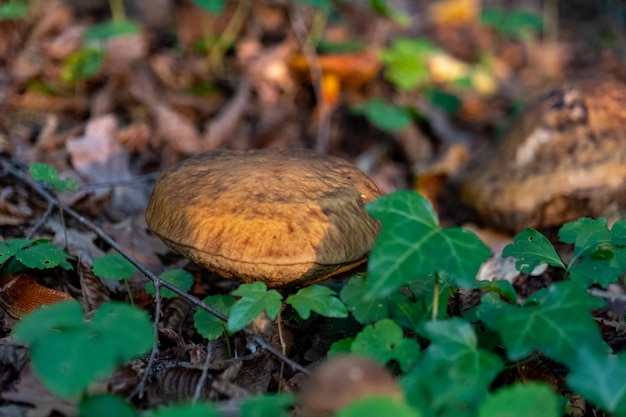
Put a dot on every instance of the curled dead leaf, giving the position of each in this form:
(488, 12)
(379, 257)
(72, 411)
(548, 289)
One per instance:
(20, 294)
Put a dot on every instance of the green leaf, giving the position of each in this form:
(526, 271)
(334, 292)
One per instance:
(215, 7)
(43, 255)
(412, 246)
(515, 23)
(383, 341)
(113, 266)
(618, 232)
(319, 299)
(388, 118)
(340, 347)
(556, 320)
(209, 326)
(270, 405)
(585, 233)
(104, 405)
(13, 10)
(364, 310)
(600, 378)
(180, 278)
(453, 375)
(82, 65)
(522, 400)
(63, 346)
(50, 176)
(255, 298)
(530, 249)
(186, 410)
(447, 102)
(382, 8)
(406, 62)
(378, 406)
(108, 30)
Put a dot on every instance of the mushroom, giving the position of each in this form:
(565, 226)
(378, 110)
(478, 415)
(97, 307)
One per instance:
(288, 218)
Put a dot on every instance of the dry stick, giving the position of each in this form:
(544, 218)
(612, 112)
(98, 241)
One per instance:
(19, 174)
(323, 123)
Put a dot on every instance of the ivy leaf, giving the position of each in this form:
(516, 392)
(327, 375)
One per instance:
(113, 266)
(383, 341)
(585, 233)
(555, 320)
(63, 346)
(209, 326)
(319, 299)
(412, 246)
(530, 249)
(270, 405)
(255, 298)
(364, 310)
(186, 410)
(179, 278)
(600, 378)
(453, 376)
(378, 406)
(522, 400)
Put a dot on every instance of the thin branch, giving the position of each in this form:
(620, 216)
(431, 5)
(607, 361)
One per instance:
(44, 193)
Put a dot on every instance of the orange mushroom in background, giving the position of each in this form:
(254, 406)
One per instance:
(338, 71)
(288, 218)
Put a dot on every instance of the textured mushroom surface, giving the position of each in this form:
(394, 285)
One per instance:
(285, 217)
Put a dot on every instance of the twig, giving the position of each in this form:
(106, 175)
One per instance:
(40, 222)
(204, 374)
(44, 193)
(119, 183)
(323, 123)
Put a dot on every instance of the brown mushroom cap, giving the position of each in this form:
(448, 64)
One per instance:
(286, 218)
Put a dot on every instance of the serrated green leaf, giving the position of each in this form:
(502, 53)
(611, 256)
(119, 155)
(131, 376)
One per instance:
(530, 249)
(186, 410)
(600, 378)
(589, 269)
(556, 320)
(522, 400)
(255, 298)
(270, 405)
(383, 341)
(319, 299)
(209, 326)
(378, 406)
(63, 346)
(113, 266)
(453, 375)
(104, 405)
(180, 278)
(412, 246)
(43, 256)
(388, 118)
(340, 347)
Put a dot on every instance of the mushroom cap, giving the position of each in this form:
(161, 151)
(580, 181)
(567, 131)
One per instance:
(288, 218)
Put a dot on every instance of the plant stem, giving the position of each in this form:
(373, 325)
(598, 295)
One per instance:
(118, 13)
(229, 34)
(436, 296)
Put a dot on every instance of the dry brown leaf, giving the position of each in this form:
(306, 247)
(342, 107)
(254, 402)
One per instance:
(65, 43)
(123, 51)
(20, 294)
(132, 234)
(99, 157)
(94, 292)
(14, 206)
